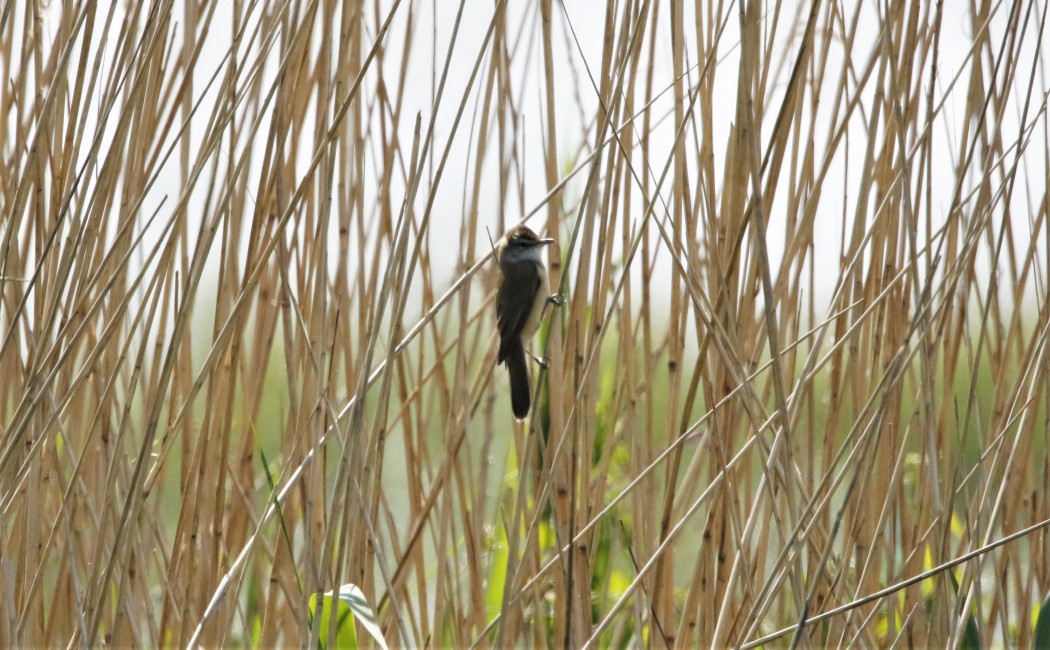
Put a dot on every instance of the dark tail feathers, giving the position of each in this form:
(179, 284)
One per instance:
(520, 395)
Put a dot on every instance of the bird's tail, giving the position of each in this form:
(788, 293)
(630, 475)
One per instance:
(520, 395)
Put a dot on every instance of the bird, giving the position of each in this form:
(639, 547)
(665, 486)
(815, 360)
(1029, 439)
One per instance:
(520, 302)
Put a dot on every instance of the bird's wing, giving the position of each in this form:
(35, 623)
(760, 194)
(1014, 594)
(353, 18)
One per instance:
(513, 308)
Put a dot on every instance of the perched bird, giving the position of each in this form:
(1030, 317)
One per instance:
(520, 302)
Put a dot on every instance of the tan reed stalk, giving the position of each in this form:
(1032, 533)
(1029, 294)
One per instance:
(798, 393)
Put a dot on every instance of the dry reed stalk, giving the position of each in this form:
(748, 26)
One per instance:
(798, 390)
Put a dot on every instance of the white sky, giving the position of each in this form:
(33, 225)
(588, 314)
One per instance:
(573, 91)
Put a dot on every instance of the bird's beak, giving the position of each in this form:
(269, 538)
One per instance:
(545, 242)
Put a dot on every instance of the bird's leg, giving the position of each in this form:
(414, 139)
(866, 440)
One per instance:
(544, 363)
(557, 300)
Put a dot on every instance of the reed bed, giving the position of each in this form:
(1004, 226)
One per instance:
(798, 392)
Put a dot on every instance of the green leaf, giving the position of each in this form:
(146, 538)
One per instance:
(498, 556)
(346, 630)
(272, 483)
(1042, 626)
(351, 606)
(972, 636)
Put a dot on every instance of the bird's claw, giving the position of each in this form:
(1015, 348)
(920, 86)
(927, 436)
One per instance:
(557, 300)
(543, 362)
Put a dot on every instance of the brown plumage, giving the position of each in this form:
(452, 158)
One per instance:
(519, 305)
